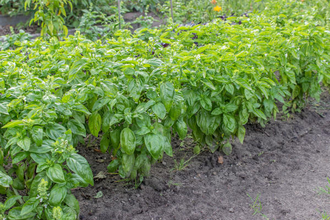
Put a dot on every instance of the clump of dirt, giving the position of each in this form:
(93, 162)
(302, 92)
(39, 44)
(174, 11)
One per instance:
(278, 169)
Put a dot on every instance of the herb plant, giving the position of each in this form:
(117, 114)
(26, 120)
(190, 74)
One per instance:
(136, 91)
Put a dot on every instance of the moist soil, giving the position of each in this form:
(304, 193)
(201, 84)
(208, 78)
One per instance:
(278, 169)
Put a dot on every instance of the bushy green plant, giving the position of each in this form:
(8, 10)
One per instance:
(97, 25)
(50, 13)
(12, 7)
(9, 41)
(135, 92)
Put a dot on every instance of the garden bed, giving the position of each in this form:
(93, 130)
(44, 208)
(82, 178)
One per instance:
(284, 164)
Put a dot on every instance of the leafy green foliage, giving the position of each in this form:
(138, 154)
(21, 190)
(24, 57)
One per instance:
(136, 94)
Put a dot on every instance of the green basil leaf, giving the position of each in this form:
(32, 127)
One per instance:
(154, 144)
(80, 166)
(227, 148)
(175, 111)
(241, 133)
(113, 166)
(181, 127)
(24, 143)
(167, 94)
(206, 103)
(71, 201)
(94, 123)
(115, 137)
(76, 127)
(259, 114)
(127, 141)
(29, 206)
(128, 162)
(55, 131)
(37, 135)
(105, 142)
(15, 214)
(19, 157)
(160, 110)
(5, 180)
(56, 174)
(100, 103)
(11, 201)
(35, 183)
(57, 195)
(230, 122)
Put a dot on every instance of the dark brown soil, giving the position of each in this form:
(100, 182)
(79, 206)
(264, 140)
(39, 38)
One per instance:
(282, 164)
(5, 30)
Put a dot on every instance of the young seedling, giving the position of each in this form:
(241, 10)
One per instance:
(181, 165)
(257, 207)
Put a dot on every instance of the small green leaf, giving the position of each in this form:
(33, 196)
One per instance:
(206, 103)
(24, 143)
(241, 133)
(105, 142)
(227, 148)
(94, 123)
(98, 195)
(100, 103)
(5, 180)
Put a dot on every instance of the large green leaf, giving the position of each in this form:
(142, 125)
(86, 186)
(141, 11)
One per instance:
(55, 173)
(154, 144)
(80, 166)
(167, 94)
(160, 110)
(37, 133)
(55, 131)
(127, 141)
(76, 127)
(94, 123)
(181, 127)
(57, 195)
(207, 123)
(128, 162)
(29, 206)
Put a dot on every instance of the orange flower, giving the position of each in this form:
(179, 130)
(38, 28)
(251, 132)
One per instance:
(213, 2)
(217, 9)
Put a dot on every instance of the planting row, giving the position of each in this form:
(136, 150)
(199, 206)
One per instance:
(136, 92)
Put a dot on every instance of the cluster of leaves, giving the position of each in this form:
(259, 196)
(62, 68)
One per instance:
(8, 41)
(136, 92)
(12, 7)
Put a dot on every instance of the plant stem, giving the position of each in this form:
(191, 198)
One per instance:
(119, 14)
(16, 193)
(172, 10)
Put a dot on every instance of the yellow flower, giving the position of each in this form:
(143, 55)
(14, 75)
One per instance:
(213, 2)
(217, 8)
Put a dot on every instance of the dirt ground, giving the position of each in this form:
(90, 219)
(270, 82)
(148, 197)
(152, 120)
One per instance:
(279, 167)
